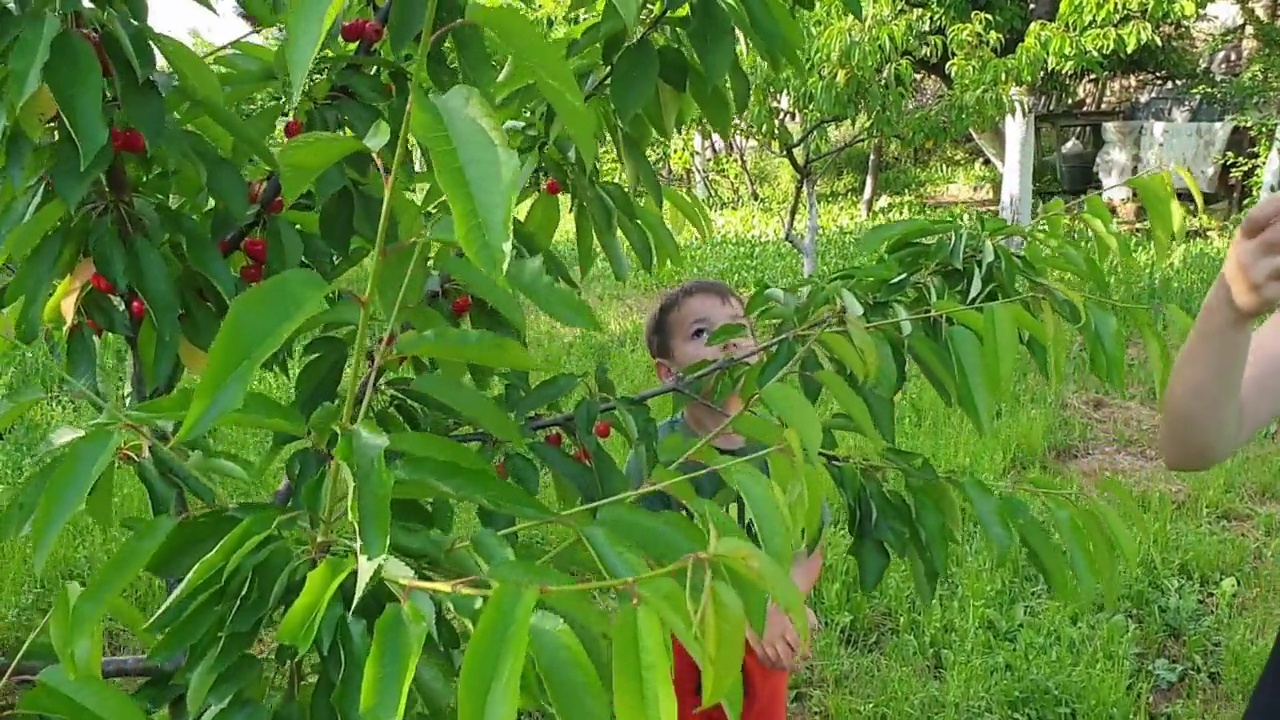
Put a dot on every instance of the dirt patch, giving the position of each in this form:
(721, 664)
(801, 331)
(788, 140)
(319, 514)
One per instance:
(1121, 439)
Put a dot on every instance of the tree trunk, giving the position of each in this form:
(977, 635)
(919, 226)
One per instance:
(991, 142)
(701, 186)
(807, 246)
(739, 147)
(1271, 170)
(1019, 142)
(872, 184)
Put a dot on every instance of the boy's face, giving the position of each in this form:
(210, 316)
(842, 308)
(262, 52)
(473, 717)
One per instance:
(692, 323)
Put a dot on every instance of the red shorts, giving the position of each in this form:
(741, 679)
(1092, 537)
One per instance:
(764, 691)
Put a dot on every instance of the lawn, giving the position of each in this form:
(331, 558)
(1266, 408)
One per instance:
(1185, 640)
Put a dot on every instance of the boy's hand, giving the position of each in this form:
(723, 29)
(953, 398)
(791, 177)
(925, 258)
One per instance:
(781, 648)
(1252, 267)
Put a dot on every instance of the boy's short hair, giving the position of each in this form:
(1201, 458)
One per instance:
(657, 334)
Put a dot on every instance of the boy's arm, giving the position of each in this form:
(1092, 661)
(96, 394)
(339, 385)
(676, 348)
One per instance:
(1223, 388)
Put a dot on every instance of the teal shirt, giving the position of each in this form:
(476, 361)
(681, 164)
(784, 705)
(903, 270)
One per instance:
(707, 484)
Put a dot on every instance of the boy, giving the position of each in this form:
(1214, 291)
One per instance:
(676, 335)
(1225, 384)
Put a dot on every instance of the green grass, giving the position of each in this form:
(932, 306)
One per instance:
(1185, 640)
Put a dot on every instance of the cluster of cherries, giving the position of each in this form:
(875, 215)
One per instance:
(137, 308)
(602, 429)
(128, 141)
(359, 29)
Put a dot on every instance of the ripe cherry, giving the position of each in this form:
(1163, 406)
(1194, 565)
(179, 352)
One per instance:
(255, 248)
(582, 456)
(255, 192)
(102, 284)
(292, 129)
(555, 439)
(461, 306)
(95, 327)
(226, 247)
(251, 273)
(553, 187)
(501, 469)
(276, 207)
(373, 32)
(117, 140)
(353, 30)
(137, 309)
(603, 429)
(133, 142)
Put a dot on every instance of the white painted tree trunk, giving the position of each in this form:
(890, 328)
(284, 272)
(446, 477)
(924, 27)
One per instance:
(991, 142)
(872, 184)
(700, 187)
(1019, 161)
(1271, 171)
(808, 248)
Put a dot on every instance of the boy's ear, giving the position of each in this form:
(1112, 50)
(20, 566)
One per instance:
(664, 370)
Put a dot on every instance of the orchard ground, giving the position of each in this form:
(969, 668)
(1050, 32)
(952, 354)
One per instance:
(1186, 639)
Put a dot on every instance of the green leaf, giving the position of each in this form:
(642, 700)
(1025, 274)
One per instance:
(851, 402)
(155, 283)
(767, 507)
(629, 11)
(75, 80)
(305, 26)
(73, 475)
(642, 687)
(635, 78)
(307, 156)
(195, 75)
(713, 37)
(257, 324)
(492, 290)
(986, 505)
(1164, 211)
(471, 404)
(700, 222)
(1044, 554)
(427, 445)
(84, 697)
(480, 347)
(477, 485)
(724, 625)
(1077, 544)
(530, 278)
(475, 168)
(408, 18)
(300, 623)
(110, 580)
(1001, 344)
(23, 239)
(789, 404)
(489, 683)
(562, 662)
(533, 54)
(362, 449)
(398, 637)
(760, 569)
(29, 55)
(973, 393)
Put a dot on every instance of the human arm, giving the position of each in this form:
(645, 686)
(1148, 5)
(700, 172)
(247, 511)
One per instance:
(1223, 388)
(781, 647)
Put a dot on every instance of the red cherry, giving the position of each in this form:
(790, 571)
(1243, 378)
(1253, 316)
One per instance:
(255, 192)
(582, 456)
(251, 273)
(353, 30)
(117, 140)
(226, 247)
(95, 327)
(500, 468)
(373, 32)
(102, 284)
(137, 309)
(255, 248)
(555, 439)
(462, 306)
(292, 129)
(553, 187)
(603, 429)
(134, 142)
(276, 207)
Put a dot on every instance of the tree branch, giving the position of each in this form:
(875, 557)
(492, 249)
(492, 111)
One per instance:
(836, 150)
(804, 137)
(123, 666)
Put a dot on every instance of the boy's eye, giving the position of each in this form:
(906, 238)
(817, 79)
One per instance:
(699, 333)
